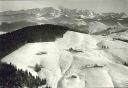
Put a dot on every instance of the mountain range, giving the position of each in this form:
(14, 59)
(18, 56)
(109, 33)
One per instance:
(74, 18)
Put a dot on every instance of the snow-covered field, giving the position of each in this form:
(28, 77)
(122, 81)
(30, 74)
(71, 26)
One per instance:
(94, 62)
(2, 32)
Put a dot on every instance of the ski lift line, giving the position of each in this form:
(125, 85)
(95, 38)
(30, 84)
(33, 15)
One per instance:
(89, 66)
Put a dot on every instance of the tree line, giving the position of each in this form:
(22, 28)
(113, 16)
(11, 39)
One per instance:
(11, 77)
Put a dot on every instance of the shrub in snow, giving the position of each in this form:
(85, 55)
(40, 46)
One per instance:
(37, 68)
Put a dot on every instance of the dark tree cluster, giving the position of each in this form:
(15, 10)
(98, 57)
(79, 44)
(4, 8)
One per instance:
(11, 77)
(126, 64)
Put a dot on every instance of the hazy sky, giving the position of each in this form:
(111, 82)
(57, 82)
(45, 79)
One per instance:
(97, 5)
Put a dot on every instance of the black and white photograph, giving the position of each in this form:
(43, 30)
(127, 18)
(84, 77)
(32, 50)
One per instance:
(63, 43)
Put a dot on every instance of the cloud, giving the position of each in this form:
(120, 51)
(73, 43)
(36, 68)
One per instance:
(97, 5)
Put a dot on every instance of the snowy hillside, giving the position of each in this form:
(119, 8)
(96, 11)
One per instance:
(75, 60)
(96, 27)
(2, 33)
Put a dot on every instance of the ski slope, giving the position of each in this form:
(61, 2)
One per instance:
(94, 67)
